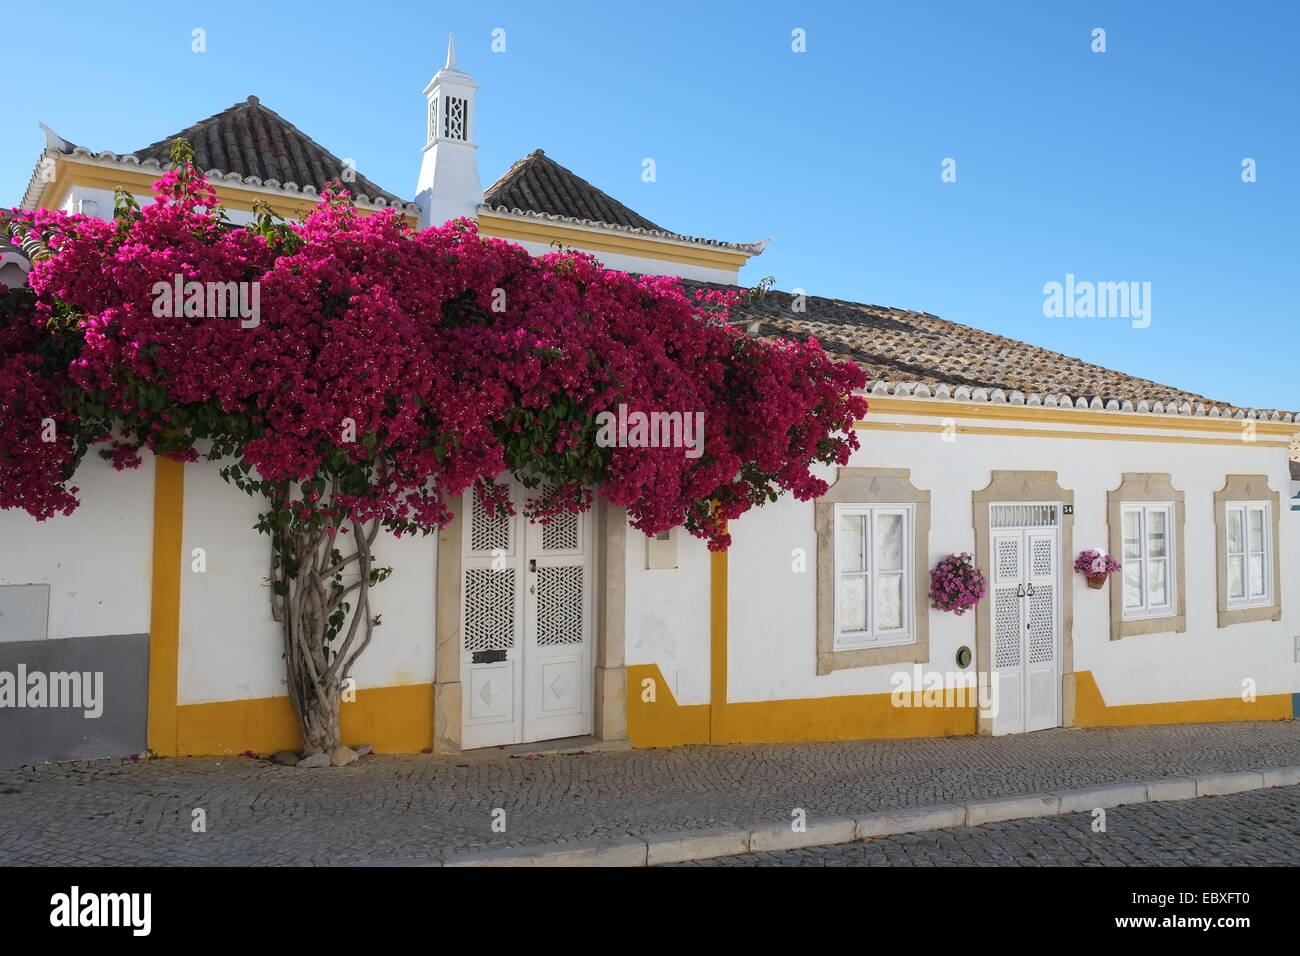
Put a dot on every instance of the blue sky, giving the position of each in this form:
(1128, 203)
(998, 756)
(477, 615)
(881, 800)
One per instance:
(1115, 166)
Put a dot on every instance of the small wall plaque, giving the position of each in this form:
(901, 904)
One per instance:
(24, 612)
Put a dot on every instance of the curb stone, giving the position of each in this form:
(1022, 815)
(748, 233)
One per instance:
(1104, 795)
(685, 845)
(1220, 784)
(612, 851)
(1012, 808)
(1282, 777)
(824, 832)
(1171, 788)
(883, 823)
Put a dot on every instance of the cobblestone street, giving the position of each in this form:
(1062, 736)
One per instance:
(1261, 828)
(395, 808)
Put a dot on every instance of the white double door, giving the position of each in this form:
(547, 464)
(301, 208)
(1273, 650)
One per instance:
(526, 630)
(1026, 628)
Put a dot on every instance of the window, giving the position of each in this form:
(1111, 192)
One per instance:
(1249, 554)
(1147, 531)
(873, 549)
(873, 575)
(1248, 569)
(1145, 518)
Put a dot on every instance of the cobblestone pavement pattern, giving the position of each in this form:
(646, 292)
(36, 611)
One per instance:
(1259, 828)
(394, 808)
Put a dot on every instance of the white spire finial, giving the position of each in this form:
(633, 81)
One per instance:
(451, 52)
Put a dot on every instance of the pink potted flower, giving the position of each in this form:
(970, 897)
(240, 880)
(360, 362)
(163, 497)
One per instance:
(1097, 567)
(956, 584)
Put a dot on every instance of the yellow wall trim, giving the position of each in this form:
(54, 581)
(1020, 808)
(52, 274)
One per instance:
(72, 173)
(942, 408)
(165, 604)
(665, 723)
(661, 722)
(628, 245)
(1059, 433)
(1091, 709)
(390, 719)
(718, 610)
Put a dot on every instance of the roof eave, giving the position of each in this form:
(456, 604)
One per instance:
(1000, 396)
(217, 177)
(671, 238)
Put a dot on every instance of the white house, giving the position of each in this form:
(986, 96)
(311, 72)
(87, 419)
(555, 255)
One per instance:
(812, 627)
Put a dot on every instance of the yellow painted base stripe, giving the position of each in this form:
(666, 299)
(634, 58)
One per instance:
(665, 723)
(1091, 709)
(165, 604)
(865, 717)
(661, 722)
(390, 719)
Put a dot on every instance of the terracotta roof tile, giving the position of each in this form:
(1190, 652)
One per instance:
(538, 183)
(251, 140)
(895, 345)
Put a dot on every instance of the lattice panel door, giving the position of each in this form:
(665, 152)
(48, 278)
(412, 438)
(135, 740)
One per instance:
(1042, 631)
(558, 654)
(492, 603)
(1007, 632)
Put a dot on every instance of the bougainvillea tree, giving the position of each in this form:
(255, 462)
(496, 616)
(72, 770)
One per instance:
(382, 373)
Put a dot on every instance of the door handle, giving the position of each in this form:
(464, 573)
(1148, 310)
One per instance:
(1020, 592)
(532, 565)
(1030, 592)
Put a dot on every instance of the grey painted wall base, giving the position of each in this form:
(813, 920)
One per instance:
(65, 733)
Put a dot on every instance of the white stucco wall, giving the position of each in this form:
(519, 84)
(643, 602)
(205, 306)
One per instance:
(668, 615)
(98, 561)
(230, 646)
(772, 614)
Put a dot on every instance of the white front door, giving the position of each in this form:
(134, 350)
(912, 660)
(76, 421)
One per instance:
(1026, 613)
(526, 654)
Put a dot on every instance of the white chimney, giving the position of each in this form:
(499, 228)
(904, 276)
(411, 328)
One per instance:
(449, 185)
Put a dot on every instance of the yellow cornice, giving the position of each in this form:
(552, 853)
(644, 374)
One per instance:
(1061, 433)
(70, 173)
(503, 227)
(939, 408)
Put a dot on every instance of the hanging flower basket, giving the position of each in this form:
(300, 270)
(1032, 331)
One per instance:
(956, 584)
(1096, 567)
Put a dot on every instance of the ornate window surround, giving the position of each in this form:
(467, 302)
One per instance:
(871, 486)
(1137, 487)
(1246, 488)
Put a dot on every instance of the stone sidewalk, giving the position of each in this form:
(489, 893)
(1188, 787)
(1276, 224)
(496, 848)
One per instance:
(403, 808)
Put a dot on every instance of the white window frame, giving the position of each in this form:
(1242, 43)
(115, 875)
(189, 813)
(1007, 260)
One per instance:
(873, 637)
(1244, 509)
(1143, 510)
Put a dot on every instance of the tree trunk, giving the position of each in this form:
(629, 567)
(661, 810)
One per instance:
(315, 609)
